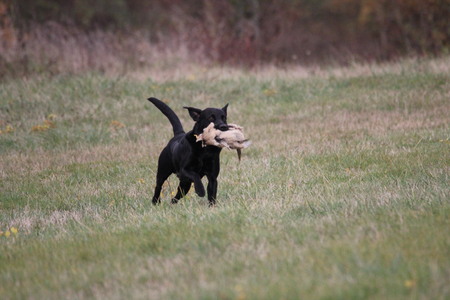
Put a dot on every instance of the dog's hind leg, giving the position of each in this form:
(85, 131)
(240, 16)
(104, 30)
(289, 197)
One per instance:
(183, 189)
(164, 171)
(160, 178)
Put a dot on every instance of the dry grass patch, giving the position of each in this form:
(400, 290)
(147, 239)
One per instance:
(29, 163)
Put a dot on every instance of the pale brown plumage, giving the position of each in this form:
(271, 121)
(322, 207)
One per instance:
(233, 138)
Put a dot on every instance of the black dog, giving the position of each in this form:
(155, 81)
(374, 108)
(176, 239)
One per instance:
(188, 158)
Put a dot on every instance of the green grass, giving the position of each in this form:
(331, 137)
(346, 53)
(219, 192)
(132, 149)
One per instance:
(344, 193)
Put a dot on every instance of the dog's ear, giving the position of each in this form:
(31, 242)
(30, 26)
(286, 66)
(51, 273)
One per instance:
(225, 109)
(194, 112)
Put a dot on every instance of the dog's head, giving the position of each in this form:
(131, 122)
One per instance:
(204, 117)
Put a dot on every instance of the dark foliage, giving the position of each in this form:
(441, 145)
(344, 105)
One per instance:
(254, 31)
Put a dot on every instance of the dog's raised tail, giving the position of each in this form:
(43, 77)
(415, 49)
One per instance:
(170, 114)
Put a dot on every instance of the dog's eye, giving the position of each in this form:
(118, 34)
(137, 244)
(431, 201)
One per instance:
(224, 119)
(212, 118)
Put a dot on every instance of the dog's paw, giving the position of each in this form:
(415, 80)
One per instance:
(200, 191)
(199, 188)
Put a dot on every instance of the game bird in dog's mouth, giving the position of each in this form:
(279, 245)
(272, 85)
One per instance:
(233, 138)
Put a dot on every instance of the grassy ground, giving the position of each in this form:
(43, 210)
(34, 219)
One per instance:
(344, 193)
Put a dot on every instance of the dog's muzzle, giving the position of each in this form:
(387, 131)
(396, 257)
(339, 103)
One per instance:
(222, 127)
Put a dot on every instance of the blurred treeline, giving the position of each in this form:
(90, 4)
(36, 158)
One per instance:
(236, 31)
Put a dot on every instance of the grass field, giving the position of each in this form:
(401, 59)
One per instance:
(344, 193)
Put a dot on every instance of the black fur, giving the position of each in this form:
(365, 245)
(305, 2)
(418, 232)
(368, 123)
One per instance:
(186, 157)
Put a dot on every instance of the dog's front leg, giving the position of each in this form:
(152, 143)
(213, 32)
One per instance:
(194, 177)
(212, 190)
(183, 189)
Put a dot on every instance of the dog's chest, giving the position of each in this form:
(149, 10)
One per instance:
(204, 161)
